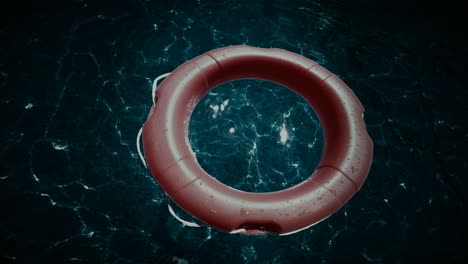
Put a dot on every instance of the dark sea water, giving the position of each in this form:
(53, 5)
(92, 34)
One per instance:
(75, 80)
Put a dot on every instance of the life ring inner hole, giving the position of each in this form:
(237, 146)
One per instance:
(256, 135)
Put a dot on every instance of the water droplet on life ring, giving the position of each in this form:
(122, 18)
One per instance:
(244, 212)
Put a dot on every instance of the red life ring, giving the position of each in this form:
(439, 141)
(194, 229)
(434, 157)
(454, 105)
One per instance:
(347, 151)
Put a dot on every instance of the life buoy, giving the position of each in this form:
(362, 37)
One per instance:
(344, 166)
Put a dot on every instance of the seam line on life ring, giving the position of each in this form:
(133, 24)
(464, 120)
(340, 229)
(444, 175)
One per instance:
(186, 185)
(344, 174)
(176, 162)
(219, 65)
(323, 79)
(334, 195)
(203, 73)
(309, 68)
(328, 77)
